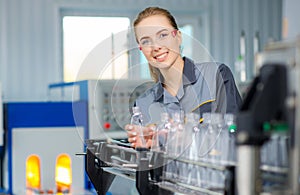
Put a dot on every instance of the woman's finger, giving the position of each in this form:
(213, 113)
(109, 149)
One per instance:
(131, 133)
(132, 139)
(149, 143)
(129, 127)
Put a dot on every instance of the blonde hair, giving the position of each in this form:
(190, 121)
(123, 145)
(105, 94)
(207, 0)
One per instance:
(151, 11)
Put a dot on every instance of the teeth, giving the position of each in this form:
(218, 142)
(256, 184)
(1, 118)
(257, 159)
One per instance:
(161, 56)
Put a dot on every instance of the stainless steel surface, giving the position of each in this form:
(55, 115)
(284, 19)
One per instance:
(295, 150)
(248, 170)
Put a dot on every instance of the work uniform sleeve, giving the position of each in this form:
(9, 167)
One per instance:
(228, 99)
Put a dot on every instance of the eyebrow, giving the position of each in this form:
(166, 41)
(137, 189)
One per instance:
(146, 37)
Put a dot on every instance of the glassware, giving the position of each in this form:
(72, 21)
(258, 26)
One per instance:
(159, 139)
(230, 126)
(137, 119)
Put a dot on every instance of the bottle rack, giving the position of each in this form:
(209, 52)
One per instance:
(147, 168)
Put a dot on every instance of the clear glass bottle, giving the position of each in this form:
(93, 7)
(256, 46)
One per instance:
(137, 119)
(192, 136)
(277, 147)
(240, 69)
(178, 130)
(284, 145)
(192, 141)
(214, 145)
(213, 136)
(230, 126)
(203, 149)
(175, 144)
(159, 139)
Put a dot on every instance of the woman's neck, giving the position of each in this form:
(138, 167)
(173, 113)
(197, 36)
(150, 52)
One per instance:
(173, 77)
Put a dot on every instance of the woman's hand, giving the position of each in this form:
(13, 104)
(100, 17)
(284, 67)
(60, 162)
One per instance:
(134, 135)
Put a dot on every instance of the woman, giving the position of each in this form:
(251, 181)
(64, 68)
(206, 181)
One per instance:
(181, 84)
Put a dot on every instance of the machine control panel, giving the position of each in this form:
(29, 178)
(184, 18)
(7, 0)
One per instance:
(109, 103)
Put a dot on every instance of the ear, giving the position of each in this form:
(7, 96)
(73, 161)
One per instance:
(179, 36)
(174, 33)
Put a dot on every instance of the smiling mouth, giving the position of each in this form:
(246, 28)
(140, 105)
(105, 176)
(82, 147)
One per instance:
(161, 57)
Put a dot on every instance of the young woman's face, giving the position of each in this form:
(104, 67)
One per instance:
(159, 41)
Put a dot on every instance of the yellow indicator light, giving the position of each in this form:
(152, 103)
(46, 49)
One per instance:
(63, 173)
(33, 177)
